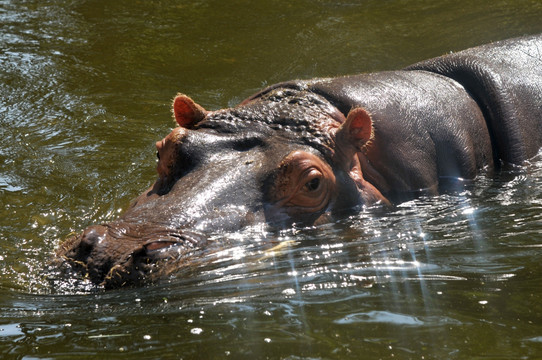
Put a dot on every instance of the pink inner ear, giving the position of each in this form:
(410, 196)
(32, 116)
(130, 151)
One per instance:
(186, 111)
(360, 124)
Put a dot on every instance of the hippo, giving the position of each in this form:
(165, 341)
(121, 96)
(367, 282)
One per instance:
(307, 152)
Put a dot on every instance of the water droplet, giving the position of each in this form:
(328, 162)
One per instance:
(196, 331)
(288, 292)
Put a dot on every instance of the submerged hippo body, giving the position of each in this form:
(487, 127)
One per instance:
(304, 151)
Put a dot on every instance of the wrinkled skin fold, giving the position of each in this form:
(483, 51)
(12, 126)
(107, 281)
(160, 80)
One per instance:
(308, 152)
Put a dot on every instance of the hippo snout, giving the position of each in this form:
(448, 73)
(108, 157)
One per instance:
(120, 254)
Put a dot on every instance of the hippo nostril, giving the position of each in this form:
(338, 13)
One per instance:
(161, 250)
(158, 245)
(171, 245)
(81, 248)
(92, 236)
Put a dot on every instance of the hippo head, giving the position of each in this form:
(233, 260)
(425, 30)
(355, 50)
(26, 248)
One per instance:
(287, 157)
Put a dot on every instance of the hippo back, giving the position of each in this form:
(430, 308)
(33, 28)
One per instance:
(505, 79)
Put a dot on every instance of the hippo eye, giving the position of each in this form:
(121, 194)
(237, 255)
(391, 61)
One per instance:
(158, 155)
(313, 184)
(310, 189)
(301, 189)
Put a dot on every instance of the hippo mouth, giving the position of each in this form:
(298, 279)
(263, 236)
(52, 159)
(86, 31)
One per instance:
(120, 254)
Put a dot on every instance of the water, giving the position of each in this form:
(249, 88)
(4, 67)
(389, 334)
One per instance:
(86, 89)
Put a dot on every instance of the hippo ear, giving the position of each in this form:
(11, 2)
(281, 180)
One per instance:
(186, 111)
(357, 130)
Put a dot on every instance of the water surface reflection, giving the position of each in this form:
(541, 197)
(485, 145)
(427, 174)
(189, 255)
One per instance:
(85, 89)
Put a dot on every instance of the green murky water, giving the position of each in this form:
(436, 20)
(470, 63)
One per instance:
(85, 89)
